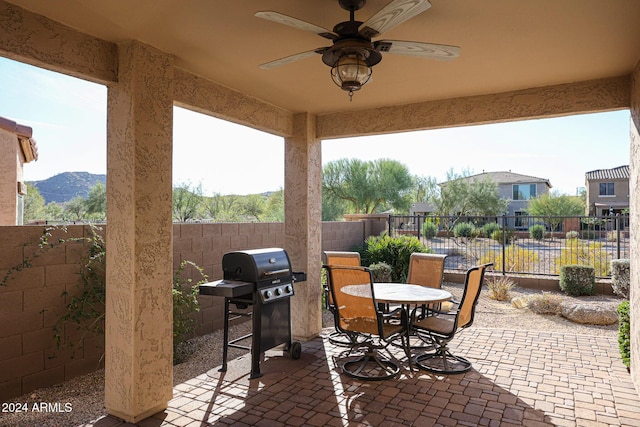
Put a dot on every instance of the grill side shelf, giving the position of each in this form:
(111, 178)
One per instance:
(227, 288)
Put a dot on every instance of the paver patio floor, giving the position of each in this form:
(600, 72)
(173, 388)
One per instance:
(519, 378)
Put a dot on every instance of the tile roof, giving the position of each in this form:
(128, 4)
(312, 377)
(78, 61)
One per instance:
(24, 133)
(506, 177)
(621, 172)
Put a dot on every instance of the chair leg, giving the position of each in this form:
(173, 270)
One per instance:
(371, 367)
(443, 361)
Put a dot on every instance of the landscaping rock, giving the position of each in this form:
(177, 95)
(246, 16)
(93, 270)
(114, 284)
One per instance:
(520, 302)
(592, 314)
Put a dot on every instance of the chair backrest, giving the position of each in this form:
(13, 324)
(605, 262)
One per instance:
(426, 269)
(355, 312)
(472, 287)
(342, 258)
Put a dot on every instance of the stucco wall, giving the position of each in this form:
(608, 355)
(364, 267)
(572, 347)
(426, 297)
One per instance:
(634, 204)
(31, 302)
(8, 177)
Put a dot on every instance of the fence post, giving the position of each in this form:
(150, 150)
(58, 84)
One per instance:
(418, 225)
(618, 234)
(390, 227)
(504, 244)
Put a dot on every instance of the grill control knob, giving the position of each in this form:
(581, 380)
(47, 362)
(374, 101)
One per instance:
(278, 292)
(288, 289)
(267, 294)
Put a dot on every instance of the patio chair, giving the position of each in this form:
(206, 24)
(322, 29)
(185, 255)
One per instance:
(370, 330)
(441, 327)
(426, 270)
(338, 258)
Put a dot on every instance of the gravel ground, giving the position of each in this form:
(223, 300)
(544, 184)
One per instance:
(85, 394)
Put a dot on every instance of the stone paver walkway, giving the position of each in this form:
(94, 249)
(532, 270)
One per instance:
(519, 378)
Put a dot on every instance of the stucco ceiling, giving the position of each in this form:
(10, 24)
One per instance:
(506, 45)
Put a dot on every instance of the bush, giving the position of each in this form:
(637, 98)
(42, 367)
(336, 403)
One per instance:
(381, 272)
(489, 228)
(546, 303)
(620, 277)
(536, 232)
(517, 259)
(429, 230)
(499, 288)
(571, 235)
(577, 280)
(624, 333)
(576, 252)
(465, 229)
(394, 251)
(185, 304)
(589, 235)
(612, 236)
(497, 235)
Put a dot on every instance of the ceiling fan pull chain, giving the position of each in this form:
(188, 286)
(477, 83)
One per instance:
(350, 96)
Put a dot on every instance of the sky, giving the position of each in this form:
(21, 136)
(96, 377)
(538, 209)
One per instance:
(68, 117)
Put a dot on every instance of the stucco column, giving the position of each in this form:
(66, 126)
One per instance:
(8, 176)
(303, 223)
(138, 364)
(634, 205)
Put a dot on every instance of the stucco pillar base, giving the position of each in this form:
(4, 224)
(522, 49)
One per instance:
(303, 225)
(138, 417)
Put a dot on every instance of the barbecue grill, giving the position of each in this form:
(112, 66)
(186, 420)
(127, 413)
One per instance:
(262, 279)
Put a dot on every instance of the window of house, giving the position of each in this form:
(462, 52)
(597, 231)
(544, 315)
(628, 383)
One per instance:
(607, 189)
(524, 191)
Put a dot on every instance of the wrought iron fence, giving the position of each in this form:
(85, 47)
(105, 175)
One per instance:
(521, 244)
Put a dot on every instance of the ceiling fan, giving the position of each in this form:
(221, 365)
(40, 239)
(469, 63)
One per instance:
(353, 53)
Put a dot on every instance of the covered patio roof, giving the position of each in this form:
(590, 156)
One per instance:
(519, 60)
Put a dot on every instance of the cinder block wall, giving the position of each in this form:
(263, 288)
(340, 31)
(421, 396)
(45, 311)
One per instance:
(31, 301)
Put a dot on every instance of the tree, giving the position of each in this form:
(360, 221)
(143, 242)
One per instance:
(253, 205)
(33, 204)
(75, 209)
(424, 190)
(53, 212)
(367, 186)
(465, 196)
(96, 201)
(274, 211)
(554, 205)
(186, 201)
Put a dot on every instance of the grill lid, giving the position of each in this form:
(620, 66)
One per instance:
(270, 265)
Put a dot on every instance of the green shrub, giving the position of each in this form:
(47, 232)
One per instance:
(394, 251)
(429, 230)
(185, 305)
(381, 272)
(497, 235)
(536, 232)
(577, 280)
(465, 229)
(589, 235)
(620, 277)
(624, 333)
(571, 235)
(489, 228)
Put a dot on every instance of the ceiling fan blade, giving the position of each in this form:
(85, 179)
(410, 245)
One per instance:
(393, 14)
(291, 58)
(278, 17)
(441, 52)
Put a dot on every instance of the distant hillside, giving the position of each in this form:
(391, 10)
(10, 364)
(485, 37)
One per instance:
(67, 185)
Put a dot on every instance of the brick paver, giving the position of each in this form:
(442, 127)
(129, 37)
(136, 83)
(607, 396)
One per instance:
(519, 378)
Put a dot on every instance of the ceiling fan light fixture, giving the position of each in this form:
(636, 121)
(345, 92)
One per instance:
(350, 72)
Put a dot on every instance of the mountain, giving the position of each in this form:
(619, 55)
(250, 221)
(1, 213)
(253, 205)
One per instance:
(67, 185)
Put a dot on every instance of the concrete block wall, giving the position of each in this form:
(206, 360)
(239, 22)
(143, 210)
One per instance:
(31, 302)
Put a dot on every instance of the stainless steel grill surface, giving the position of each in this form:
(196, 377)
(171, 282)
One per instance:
(262, 279)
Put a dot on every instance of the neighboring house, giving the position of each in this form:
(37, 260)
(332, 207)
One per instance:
(16, 148)
(516, 188)
(607, 191)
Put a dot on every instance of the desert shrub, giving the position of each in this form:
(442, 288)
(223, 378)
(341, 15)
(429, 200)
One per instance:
(394, 251)
(546, 303)
(577, 252)
(381, 272)
(577, 280)
(572, 234)
(516, 259)
(185, 304)
(429, 230)
(624, 333)
(612, 236)
(589, 234)
(536, 232)
(500, 288)
(465, 229)
(489, 228)
(620, 277)
(497, 235)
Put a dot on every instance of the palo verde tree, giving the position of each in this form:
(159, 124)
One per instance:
(552, 206)
(186, 202)
(367, 185)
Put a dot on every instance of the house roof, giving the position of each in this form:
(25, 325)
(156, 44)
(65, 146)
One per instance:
(28, 145)
(506, 177)
(621, 172)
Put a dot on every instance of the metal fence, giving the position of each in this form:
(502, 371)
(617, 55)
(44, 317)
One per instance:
(521, 244)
